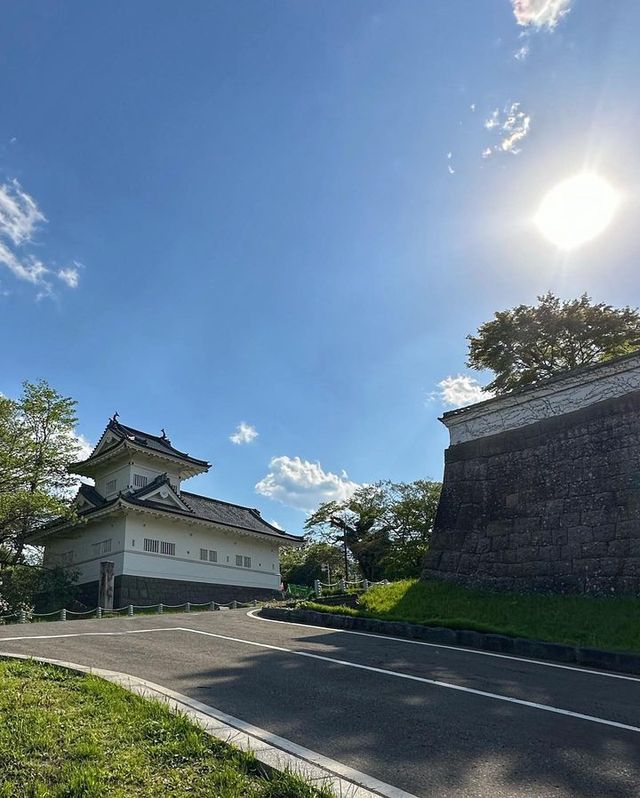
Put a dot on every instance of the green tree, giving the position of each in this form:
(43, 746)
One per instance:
(529, 343)
(301, 566)
(365, 522)
(37, 442)
(413, 510)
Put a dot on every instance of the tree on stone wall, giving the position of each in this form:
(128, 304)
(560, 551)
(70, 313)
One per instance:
(531, 342)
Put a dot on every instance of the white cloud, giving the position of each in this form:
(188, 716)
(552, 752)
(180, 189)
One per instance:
(461, 390)
(511, 125)
(244, 433)
(20, 219)
(540, 13)
(303, 484)
(70, 276)
(521, 53)
(277, 525)
(85, 447)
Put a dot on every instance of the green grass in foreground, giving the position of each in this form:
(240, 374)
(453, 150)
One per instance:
(606, 623)
(64, 735)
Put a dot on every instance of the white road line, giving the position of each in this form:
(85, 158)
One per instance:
(95, 634)
(359, 666)
(459, 649)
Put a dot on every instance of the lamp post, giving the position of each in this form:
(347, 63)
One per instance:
(340, 524)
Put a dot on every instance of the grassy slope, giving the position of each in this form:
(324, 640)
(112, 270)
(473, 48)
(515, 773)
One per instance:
(64, 735)
(607, 623)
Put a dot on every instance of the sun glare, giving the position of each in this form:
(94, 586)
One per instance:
(576, 210)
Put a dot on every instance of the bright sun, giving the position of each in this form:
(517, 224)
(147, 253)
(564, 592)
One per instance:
(577, 210)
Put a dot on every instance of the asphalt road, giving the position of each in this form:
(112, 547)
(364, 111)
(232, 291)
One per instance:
(431, 720)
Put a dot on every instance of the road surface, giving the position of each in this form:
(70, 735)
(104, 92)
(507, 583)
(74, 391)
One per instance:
(431, 720)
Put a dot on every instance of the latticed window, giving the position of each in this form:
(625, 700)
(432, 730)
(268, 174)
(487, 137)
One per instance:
(213, 556)
(204, 554)
(139, 481)
(151, 545)
(167, 548)
(247, 562)
(111, 486)
(239, 560)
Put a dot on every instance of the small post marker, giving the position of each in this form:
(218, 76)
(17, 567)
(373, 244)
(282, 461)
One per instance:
(22, 616)
(130, 610)
(63, 615)
(317, 589)
(365, 584)
(234, 605)
(160, 608)
(342, 585)
(188, 606)
(212, 606)
(99, 612)
(255, 602)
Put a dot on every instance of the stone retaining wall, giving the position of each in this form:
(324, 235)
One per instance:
(551, 506)
(142, 590)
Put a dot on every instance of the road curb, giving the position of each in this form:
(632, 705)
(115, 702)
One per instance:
(515, 646)
(273, 752)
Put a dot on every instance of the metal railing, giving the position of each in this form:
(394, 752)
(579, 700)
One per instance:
(26, 616)
(343, 585)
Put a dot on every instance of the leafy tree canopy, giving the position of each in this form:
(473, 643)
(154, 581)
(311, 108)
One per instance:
(302, 566)
(529, 343)
(37, 442)
(386, 526)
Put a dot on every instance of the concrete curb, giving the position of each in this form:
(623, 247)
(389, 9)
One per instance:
(513, 646)
(273, 752)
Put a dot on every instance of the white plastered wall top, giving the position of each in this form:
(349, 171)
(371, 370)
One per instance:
(575, 390)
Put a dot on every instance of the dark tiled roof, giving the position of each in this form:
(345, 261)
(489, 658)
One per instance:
(229, 514)
(156, 443)
(91, 495)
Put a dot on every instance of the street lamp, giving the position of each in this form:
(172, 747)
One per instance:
(340, 524)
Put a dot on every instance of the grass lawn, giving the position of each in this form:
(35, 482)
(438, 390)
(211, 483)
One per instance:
(606, 623)
(65, 735)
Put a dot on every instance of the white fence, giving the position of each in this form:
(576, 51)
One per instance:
(24, 616)
(343, 585)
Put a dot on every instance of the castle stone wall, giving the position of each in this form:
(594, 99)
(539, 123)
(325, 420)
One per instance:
(550, 506)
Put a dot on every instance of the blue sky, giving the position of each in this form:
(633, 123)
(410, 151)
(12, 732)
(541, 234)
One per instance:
(291, 214)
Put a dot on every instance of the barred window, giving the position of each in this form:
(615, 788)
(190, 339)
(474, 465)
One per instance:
(139, 481)
(239, 560)
(213, 556)
(168, 548)
(204, 554)
(111, 486)
(151, 545)
(247, 562)
(106, 546)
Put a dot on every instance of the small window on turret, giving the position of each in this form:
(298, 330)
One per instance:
(139, 481)
(111, 486)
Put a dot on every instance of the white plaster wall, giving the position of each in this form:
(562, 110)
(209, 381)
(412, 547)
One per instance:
(189, 539)
(574, 392)
(80, 543)
(120, 474)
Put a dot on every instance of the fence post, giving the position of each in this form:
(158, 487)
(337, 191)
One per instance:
(63, 615)
(365, 584)
(234, 605)
(22, 616)
(160, 608)
(187, 606)
(130, 610)
(213, 606)
(255, 602)
(342, 585)
(317, 589)
(99, 612)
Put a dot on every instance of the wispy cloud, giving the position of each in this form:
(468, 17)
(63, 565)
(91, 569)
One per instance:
(20, 220)
(460, 391)
(511, 125)
(522, 52)
(540, 13)
(302, 484)
(244, 433)
(450, 168)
